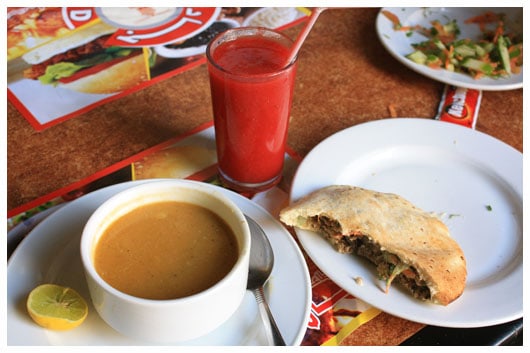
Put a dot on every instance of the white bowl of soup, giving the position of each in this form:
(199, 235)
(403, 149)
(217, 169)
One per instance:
(166, 261)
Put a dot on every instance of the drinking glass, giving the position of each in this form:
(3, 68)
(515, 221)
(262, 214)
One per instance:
(252, 88)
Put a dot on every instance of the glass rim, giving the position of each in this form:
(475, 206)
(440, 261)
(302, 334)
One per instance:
(251, 31)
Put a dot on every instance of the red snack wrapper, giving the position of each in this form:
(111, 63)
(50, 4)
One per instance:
(460, 106)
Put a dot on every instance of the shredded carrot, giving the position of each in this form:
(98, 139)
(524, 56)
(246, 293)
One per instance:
(433, 65)
(441, 33)
(498, 32)
(438, 27)
(516, 57)
(397, 23)
(486, 17)
(449, 55)
(392, 111)
(393, 18)
(477, 75)
(407, 28)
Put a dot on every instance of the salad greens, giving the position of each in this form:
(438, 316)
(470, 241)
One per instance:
(497, 53)
(65, 69)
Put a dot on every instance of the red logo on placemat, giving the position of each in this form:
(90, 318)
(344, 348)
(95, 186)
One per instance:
(75, 17)
(188, 22)
(145, 26)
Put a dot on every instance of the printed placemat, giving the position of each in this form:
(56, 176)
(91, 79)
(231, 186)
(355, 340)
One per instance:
(63, 62)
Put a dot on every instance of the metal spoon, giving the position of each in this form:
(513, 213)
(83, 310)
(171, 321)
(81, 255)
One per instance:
(260, 268)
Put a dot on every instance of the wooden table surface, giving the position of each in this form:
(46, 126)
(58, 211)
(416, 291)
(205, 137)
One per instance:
(345, 77)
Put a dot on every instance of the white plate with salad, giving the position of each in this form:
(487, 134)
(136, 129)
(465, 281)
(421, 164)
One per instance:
(470, 64)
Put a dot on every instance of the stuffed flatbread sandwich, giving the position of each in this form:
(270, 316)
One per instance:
(407, 245)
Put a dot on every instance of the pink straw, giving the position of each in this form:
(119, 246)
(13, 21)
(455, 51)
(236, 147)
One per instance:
(302, 36)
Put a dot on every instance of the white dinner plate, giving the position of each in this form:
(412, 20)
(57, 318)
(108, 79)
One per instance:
(471, 180)
(398, 43)
(50, 253)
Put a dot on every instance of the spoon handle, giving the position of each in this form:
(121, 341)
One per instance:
(272, 328)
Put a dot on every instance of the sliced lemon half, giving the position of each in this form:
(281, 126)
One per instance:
(56, 307)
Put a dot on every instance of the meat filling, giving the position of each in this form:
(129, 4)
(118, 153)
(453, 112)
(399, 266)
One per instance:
(389, 266)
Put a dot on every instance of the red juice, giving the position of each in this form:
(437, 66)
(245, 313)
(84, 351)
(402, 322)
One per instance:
(252, 90)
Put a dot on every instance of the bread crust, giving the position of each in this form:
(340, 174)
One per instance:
(116, 78)
(418, 238)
